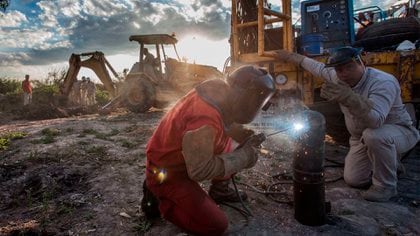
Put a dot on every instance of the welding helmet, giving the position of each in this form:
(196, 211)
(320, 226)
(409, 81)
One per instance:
(250, 89)
(343, 55)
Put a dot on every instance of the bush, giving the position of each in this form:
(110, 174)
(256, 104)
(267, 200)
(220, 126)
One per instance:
(102, 96)
(45, 93)
(8, 86)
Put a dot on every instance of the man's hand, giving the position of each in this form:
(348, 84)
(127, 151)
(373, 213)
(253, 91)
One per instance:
(245, 155)
(239, 133)
(341, 92)
(286, 56)
(335, 91)
(255, 140)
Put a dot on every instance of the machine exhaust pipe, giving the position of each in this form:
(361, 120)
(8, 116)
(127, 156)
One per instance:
(308, 172)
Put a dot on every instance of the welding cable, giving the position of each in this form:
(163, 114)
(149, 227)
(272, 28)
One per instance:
(246, 209)
(269, 193)
(243, 212)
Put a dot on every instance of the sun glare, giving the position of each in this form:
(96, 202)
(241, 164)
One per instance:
(200, 50)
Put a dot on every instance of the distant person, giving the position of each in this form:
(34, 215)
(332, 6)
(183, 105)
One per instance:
(148, 57)
(75, 95)
(83, 90)
(149, 66)
(27, 91)
(91, 92)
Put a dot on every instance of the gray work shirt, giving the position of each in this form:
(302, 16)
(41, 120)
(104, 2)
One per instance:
(381, 88)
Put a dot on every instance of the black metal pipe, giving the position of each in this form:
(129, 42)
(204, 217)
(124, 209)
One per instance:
(308, 171)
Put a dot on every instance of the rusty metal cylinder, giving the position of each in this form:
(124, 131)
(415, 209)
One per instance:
(308, 171)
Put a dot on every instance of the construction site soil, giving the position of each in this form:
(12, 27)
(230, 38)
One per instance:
(83, 175)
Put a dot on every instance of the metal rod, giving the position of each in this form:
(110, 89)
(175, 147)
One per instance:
(278, 132)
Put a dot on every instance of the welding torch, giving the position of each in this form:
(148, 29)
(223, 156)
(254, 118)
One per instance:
(257, 139)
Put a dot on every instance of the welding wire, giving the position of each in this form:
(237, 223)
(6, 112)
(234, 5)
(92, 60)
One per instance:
(277, 132)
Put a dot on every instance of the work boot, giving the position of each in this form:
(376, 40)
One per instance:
(379, 194)
(149, 203)
(221, 192)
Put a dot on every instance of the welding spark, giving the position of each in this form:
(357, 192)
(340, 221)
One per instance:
(298, 126)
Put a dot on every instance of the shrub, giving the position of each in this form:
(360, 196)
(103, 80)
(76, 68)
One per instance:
(6, 138)
(102, 96)
(8, 86)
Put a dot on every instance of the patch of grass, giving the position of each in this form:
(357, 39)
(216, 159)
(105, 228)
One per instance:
(49, 135)
(69, 130)
(130, 128)
(4, 143)
(50, 131)
(34, 155)
(143, 227)
(83, 143)
(105, 136)
(101, 136)
(47, 139)
(89, 216)
(127, 144)
(114, 132)
(97, 150)
(64, 209)
(89, 131)
(6, 138)
(98, 135)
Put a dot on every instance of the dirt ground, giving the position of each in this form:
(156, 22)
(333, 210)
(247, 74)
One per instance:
(82, 175)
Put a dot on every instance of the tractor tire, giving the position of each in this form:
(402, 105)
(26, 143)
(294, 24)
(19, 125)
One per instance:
(140, 96)
(389, 33)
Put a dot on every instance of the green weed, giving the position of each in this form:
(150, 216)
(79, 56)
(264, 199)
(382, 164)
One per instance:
(89, 131)
(97, 150)
(48, 136)
(127, 144)
(5, 139)
(143, 227)
(4, 143)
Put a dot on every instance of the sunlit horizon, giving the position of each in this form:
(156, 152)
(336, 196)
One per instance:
(191, 48)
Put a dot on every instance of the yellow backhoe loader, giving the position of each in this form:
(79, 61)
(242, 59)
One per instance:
(149, 83)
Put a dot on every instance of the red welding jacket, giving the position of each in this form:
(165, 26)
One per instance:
(164, 149)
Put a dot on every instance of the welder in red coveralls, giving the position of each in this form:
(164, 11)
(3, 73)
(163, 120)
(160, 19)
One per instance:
(193, 142)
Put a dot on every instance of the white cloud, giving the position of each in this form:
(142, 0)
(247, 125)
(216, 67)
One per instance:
(105, 8)
(70, 8)
(34, 39)
(12, 19)
(226, 3)
(49, 12)
(13, 59)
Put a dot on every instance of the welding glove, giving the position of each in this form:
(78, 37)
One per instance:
(341, 92)
(239, 133)
(287, 56)
(244, 157)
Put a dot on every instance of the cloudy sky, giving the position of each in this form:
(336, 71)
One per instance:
(37, 37)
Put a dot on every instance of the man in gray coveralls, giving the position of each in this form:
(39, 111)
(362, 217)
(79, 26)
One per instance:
(380, 127)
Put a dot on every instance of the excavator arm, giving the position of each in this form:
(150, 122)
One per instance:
(96, 62)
